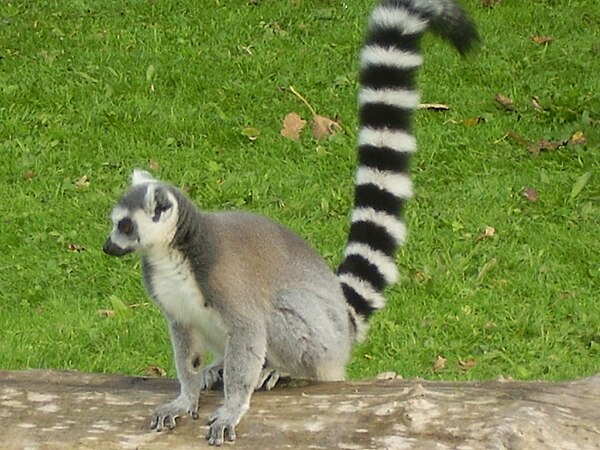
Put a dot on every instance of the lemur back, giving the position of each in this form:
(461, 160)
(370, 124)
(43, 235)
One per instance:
(251, 291)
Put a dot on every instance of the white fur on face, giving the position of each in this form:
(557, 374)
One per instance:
(149, 234)
(155, 234)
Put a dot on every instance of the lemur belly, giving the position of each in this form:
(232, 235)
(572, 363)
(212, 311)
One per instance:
(175, 290)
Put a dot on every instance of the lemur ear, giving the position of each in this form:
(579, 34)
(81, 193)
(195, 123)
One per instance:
(158, 201)
(141, 176)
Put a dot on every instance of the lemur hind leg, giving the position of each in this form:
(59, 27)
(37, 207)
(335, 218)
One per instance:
(309, 335)
(212, 377)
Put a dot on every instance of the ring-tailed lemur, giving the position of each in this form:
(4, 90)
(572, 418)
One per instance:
(254, 293)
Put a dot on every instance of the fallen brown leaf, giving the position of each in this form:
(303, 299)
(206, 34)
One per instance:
(519, 139)
(536, 103)
(83, 182)
(578, 138)
(487, 233)
(505, 102)
(530, 194)
(473, 121)
(106, 312)
(323, 127)
(154, 165)
(28, 175)
(75, 247)
(155, 371)
(544, 145)
(421, 277)
(292, 126)
(541, 40)
(467, 364)
(439, 363)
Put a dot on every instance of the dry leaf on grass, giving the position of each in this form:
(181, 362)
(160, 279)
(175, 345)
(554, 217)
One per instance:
(73, 247)
(541, 40)
(473, 121)
(155, 371)
(439, 364)
(434, 106)
(106, 312)
(83, 182)
(530, 194)
(487, 233)
(467, 364)
(28, 175)
(578, 138)
(542, 145)
(154, 165)
(421, 277)
(292, 126)
(323, 127)
(536, 103)
(505, 102)
(519, 139)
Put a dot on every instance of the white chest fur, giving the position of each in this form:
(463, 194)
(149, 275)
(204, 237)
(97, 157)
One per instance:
(174, 288)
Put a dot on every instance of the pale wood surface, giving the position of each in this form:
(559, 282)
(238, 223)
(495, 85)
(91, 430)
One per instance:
(56, 410)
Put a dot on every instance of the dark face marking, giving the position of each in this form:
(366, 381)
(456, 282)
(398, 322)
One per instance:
(162, 204)
(126, 226)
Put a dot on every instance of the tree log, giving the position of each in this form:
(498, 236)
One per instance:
(57, 410)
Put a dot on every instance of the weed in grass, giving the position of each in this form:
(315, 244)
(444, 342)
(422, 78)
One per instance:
(94, 89)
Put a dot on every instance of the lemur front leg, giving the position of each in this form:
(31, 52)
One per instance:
(187, 349)
(244, 358)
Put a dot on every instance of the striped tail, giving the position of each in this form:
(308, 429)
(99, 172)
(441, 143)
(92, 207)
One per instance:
(388, 97)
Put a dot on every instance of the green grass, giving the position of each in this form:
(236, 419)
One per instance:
(97, 88)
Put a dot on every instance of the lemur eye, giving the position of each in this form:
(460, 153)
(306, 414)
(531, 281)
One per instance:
(125, 226)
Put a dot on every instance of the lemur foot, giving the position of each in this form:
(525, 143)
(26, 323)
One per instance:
(212, 375)
(268, 379)
(165, 414)
(222, 426)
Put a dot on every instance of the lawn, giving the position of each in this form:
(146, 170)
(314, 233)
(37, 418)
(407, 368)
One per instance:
(501, 274)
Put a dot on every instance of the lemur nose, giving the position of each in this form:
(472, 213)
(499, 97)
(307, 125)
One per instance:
(112, 249)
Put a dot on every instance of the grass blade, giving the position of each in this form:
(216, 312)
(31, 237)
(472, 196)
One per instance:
(580, 184)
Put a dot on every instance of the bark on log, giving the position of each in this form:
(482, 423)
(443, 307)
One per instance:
(57, 410)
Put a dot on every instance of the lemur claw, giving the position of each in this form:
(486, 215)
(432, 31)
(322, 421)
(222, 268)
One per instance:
(166, 414)
(221, 427)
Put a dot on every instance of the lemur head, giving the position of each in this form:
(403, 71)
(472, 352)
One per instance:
(145, 217)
